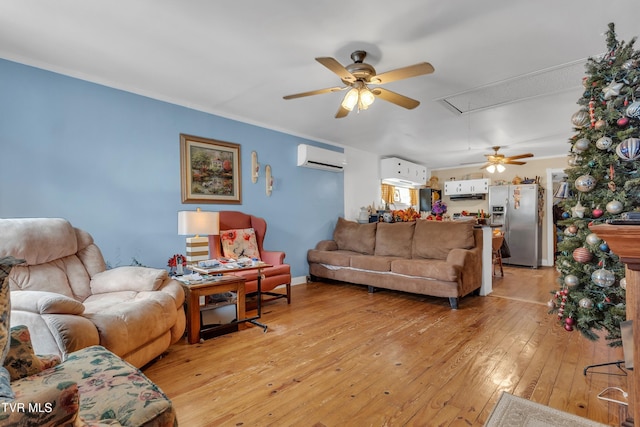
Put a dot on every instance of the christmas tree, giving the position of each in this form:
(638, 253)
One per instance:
(604, 178)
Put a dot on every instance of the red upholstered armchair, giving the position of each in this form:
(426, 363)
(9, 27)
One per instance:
(272, 277)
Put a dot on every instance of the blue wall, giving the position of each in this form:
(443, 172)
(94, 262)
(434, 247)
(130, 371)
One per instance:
(109, 162)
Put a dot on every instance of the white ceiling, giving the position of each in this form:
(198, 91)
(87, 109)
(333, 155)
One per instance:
(239, 58)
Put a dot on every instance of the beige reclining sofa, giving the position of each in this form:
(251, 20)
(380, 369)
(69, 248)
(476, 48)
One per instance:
(69, 300)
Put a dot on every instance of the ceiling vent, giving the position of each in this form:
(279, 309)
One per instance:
(562, 78)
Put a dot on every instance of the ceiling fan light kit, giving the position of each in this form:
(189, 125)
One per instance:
(496, 162)
(358, 75)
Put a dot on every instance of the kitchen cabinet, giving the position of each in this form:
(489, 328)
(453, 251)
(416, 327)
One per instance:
(398, 170)
(469, 186)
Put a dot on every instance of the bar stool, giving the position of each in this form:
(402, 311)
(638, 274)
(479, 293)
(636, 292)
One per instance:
(496, 244)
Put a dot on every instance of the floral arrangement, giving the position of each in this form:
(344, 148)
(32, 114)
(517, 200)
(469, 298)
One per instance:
(176, 263)
(405, 215)
(439, 208)
(177, 259)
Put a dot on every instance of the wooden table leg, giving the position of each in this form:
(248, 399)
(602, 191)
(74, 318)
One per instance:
(240, 304)
(193, 309)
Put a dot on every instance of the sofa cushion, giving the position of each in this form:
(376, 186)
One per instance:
(338, 258)
(128, 278)
(239, 243)
(394, 239)
(37, 240)
(21, 361)
(434, 239)
(372, 262)
(428, 268)
(127, 320)
(356, 237)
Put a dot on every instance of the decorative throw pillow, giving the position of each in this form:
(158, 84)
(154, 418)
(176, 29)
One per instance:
(239, 243)
(6, 264)
(21, 361)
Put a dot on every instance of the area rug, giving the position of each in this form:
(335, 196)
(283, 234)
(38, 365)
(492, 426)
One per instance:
(514, 411)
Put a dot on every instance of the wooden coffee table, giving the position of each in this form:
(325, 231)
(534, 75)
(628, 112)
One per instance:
(204, 288)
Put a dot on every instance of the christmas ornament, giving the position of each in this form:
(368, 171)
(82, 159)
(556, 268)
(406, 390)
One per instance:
(571, 280)
(604, 247)
(585, 303)
(551, 304)
(592, 113)
(604, 143)
(600, 124)
(623, 283)
(597, 212)
(629, 149)
(633, 110)
(582, 255)
(585, 183)
(623, 121)
(581, 145)
(603, 278)
(580, 118)
(612, 90)
(568, 327)
(577, 211)
(569, 321)
(628, 65)
(565, 215)
(574, 160)
(592, 239)
(568, 232)
(614, 207)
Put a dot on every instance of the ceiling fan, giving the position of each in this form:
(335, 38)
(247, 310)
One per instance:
(359, 76)
(497, 161)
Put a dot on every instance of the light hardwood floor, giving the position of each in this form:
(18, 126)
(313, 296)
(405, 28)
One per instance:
(338, 356)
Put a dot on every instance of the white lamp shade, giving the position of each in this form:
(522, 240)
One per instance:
(198, 222)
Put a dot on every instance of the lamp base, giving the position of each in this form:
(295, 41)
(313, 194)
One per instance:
(197, 249)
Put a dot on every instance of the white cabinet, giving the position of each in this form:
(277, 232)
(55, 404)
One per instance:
(470, 186)
(398, 170)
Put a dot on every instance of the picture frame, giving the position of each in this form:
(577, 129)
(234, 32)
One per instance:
(210, 170)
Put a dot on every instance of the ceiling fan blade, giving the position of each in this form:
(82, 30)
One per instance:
(511, 162)
(395, 98)
(342, 112)
(485, 165)
(314, 92)
(337, 68)
(520, 156)
(403, 73)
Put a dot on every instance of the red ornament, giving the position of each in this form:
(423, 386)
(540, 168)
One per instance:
(623, 121)
(569, 321)
(582, 255)
(597, 212)
(568, 327)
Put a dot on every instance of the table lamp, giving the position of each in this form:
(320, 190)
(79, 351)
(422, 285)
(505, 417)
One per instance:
(195, 223)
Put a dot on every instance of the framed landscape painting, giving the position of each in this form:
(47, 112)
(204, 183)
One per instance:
(209, 170)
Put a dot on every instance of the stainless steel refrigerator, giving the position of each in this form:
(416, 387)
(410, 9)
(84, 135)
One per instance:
(516, 210)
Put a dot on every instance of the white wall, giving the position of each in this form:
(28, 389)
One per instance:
(361, 181)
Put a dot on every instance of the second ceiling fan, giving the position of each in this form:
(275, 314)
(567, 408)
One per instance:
(497, 161)
(357, 77)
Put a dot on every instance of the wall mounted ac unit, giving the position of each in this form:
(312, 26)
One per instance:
(310, 156)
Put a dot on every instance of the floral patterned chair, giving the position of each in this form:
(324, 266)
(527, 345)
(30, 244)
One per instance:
(243, 235)
(92, 387)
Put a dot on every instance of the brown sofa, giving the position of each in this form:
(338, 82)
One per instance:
(436, 258)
